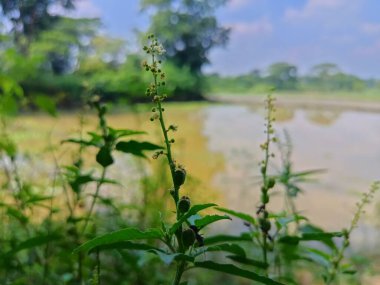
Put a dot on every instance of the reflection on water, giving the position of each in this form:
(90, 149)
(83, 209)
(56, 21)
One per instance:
(347, 144)
(219, 145)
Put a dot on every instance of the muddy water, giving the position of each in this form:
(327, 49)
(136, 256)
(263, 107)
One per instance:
(345, 144)
(219, 145)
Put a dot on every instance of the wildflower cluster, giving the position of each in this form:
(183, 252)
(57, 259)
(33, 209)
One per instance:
(268, 182)
(155, 49)
(336, 262)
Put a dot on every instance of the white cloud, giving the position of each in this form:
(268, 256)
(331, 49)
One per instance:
(83, 9)
(261, 27)
(371, 28)
(314, 8)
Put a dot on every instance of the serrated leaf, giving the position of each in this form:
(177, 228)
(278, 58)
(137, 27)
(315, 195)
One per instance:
(291, 240)
(37, 198)
(34, 242)
(127, 234)
(79, 181)
(125, 245)
(119, 133)
(321, 236)
(317, 256)
(242, 216)
(209, 219)
(193, 210)
(248, 261)
(80, 142)
(168, 258)
(225, 247)
(233, 270)
(136, 148)
(227, 238)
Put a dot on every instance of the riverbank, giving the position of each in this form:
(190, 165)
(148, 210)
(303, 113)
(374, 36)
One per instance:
(303, 102)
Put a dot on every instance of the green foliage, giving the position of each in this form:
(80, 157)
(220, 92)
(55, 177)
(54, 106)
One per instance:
(282, 76)
(189, 30)
(73, 208)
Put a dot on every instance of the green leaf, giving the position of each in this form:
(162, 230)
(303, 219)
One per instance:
(8, 146)
(193, 210)
(125, 245)
(233, 270)
(242, 216)
(17, 214)
(104, 157)
(282, 222)
(308, 231)
(209, 219)
(79, 180)
(248, 261)
(37, 198)
(291, 240)
(136, 148)
(225, 247)
(307, 172)
(317, 256)
(226, 238)
(168, 258)
(8, 105)
(34, 242)
(118, 133)
(320, 236)
(119, 236)
(47, 104)
(80, 142)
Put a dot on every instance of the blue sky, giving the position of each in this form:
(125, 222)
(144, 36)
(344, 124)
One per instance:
(302, 32)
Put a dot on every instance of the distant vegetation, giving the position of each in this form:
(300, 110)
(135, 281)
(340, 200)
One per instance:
(63, 58)
(324, 78)
(60, 59)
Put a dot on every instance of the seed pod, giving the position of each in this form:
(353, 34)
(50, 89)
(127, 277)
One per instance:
(271, 182)
(179, 176)
(188, 238)
(264, 198)
(264, 225)
(184, 204)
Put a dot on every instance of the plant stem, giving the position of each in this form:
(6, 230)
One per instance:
(366, 199)
(98, 186)
(181, 266)
(180, 269)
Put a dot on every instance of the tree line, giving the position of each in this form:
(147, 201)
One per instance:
(61, 59)
(283, 76)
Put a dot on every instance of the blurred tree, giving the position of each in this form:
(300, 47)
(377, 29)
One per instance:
(29, 17)
(61, 45)
(324, 69)
(103, 53)
(283, 76)
(188, 30)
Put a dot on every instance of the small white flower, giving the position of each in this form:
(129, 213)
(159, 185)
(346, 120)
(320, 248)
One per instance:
(159, 49)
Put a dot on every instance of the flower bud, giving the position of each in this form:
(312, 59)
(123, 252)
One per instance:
(271, 182)
(264, 225)
(184, 204)
(179, 176)
(188, 238)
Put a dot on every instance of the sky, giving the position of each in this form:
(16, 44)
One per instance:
(301, 32)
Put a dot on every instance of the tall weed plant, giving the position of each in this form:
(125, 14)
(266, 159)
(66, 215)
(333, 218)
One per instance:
(83, 236)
